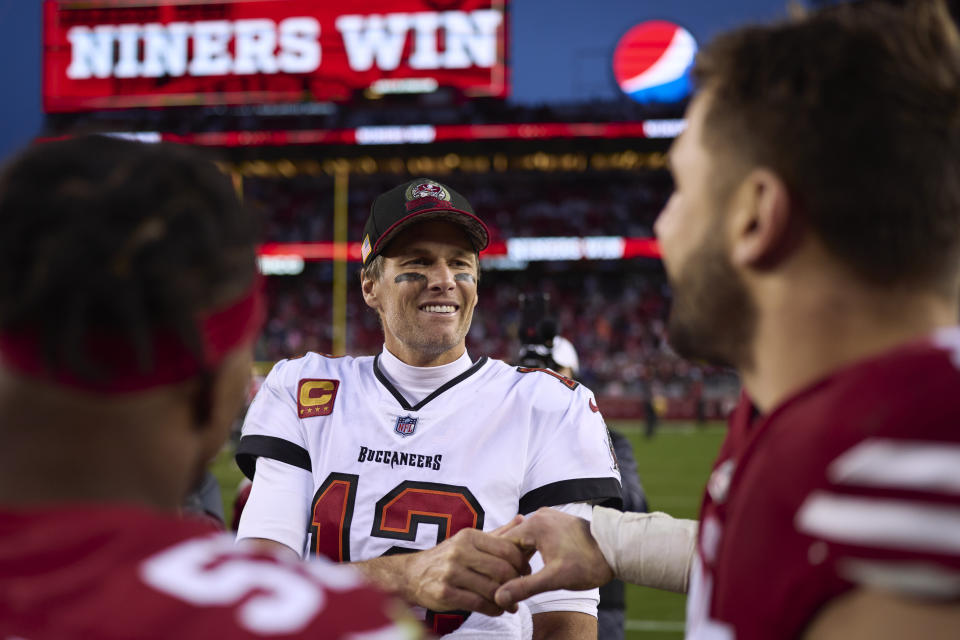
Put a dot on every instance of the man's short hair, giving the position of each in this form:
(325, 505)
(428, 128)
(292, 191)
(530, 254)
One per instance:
(857, 109)
(374, 270)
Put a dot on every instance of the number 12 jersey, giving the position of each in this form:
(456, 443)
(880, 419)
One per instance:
(388, 476)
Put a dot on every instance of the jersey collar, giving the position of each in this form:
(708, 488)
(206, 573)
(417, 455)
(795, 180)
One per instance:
(378, 372)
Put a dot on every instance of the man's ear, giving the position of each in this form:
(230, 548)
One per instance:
(764, 221)
(369, 288)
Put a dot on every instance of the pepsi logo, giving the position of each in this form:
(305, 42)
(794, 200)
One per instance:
(652, 62)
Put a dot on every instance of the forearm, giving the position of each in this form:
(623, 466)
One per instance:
(565, 600)
(564, 625)
(649, 549)
(389, 574)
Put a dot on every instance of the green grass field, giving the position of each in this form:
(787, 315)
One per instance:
(674, 466)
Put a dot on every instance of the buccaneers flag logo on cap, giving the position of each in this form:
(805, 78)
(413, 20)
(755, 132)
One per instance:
(427, 189)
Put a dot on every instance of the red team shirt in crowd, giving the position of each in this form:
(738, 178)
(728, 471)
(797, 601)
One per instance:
(124, 572)
(854, 481)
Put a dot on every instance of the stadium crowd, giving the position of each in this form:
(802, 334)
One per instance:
(613, 310)
(616, 318)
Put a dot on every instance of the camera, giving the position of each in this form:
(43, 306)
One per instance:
(536, 332)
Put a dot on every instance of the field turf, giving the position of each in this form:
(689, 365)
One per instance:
(674, 465)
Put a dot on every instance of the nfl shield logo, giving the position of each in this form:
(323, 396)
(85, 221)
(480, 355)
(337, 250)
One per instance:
(406, 425)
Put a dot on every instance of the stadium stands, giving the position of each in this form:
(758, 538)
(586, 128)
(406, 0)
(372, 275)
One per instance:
(613, 310)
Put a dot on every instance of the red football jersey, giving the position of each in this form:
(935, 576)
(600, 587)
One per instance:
(853, 481)
(114, 572)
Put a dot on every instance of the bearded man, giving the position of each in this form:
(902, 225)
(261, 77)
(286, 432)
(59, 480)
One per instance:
(812, 242)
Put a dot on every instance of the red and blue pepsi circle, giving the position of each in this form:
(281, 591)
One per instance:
(652, 62)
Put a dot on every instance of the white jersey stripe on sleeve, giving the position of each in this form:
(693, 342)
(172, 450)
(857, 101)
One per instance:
(900, 464)
(891, 524)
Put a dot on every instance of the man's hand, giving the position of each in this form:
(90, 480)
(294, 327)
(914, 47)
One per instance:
(462, 572)
(571, 557)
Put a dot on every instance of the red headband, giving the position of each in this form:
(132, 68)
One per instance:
(220, 332)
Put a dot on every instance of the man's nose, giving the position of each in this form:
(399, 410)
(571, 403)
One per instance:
(440, 276)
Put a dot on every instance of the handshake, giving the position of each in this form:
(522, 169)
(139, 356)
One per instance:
(489, 572)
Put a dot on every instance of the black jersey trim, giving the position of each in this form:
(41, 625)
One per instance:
(253, 447)
(604, 491)
(386, 383)
(449, 383)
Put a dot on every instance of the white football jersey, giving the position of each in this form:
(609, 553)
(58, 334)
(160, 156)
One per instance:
(389, 477)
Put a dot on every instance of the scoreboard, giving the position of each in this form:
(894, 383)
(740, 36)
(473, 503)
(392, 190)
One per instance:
(116, 54)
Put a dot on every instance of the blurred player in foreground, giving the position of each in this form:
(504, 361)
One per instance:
(128, 306)
(813, 242)
(403, 463)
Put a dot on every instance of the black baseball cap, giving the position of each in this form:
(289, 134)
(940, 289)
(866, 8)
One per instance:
(417, 201)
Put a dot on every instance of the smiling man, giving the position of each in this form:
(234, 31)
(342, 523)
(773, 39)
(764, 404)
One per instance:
(399, 463)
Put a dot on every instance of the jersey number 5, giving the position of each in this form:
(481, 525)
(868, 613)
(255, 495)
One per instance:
(397, 515)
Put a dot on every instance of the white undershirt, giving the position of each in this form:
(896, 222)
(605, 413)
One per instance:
(416, 383)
